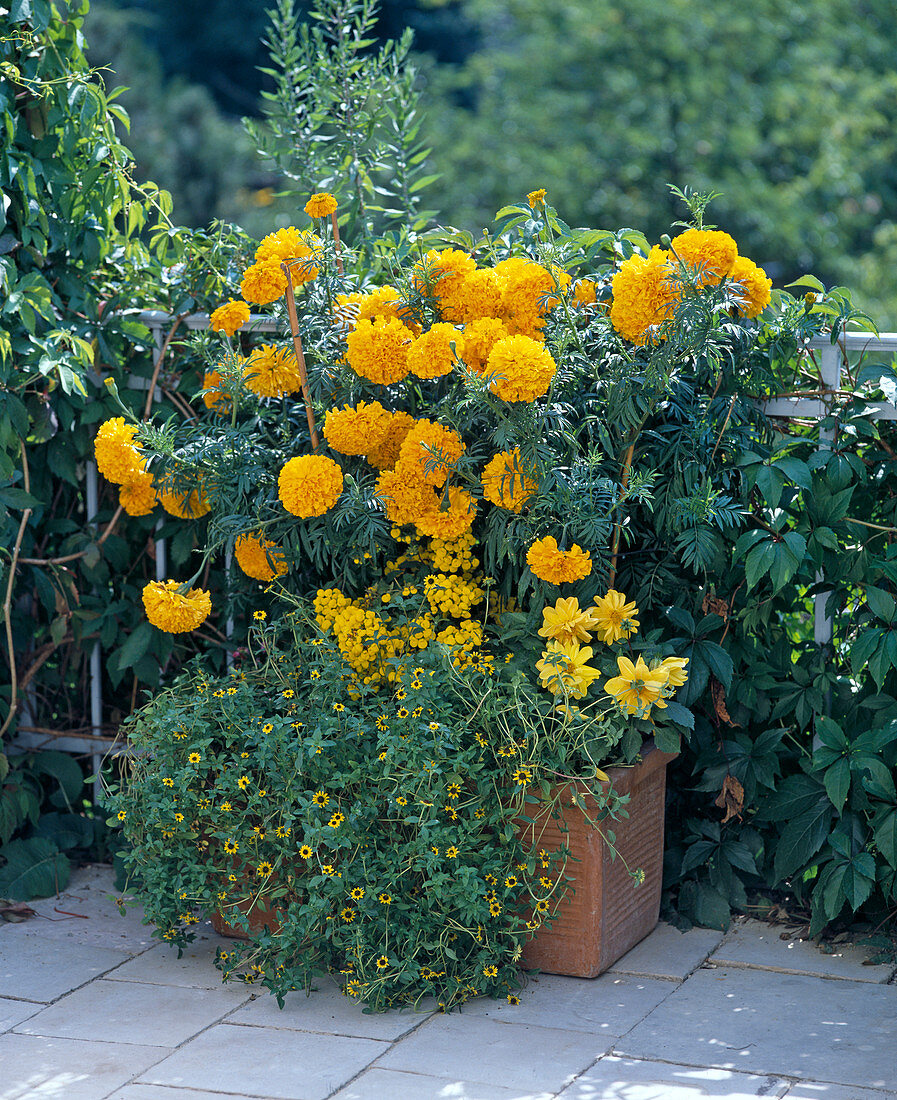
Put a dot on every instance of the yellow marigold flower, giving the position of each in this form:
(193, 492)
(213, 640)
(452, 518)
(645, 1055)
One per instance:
(174, 611)
(183, 504)
(431, 355)
(378, 350)
(644, 295)
(272, 372)
(383, 301)
(675, 670)
(429, 451)
(137, 495)
(529, 290)
(448, 519)
(479, 296)
(585, 293)
(386, 453)
(288, 244)
(558, 566)
(637, 688)
(614, 619)
(320, 205)
(263, 282)
(536, 198)
(445, 272)
(711, 251)
(480, 337)
(567, 621)
(358, 430)
(564, 669)
(259, 558)
(754, 287)
(405, 495)
(118, 460)
(218, 398)
(505, 483)
(520, 369)
(229, 317)
(309, 485)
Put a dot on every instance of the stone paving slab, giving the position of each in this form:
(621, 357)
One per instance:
(14, 1012)
(669, 953)
(380, 1084)
(131, 1012)
(787, 1024)
(32, 969)
(753, 943)
(329, 1011)
(165, 1092)
(607, 1006)
(810, 1090)
(33, 1067)
(818, 1090)
(98, 923)
(160, 965)
(493, 1053)
(625, 1079)
(284, 1065)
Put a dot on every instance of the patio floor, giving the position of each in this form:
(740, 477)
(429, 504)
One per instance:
(92, 1008)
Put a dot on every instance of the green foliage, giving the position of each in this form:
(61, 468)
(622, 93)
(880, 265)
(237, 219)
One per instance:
(343, 118)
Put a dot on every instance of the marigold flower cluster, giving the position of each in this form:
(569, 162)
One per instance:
(359, 430)
(505, 483)
(647, 289)
(321, 205)
(260, 558)
(229, 317)
(174, 611)
(453, 594)
(272, 372)
(309, 485)
(558, 566)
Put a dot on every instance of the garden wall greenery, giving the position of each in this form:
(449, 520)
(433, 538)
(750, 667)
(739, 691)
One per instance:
(725, 523)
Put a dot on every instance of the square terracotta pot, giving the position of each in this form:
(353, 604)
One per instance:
(607, 915)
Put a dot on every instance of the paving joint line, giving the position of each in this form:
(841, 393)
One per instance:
(373, 1062)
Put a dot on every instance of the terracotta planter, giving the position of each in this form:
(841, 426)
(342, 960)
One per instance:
(607, 914)
(261, 916)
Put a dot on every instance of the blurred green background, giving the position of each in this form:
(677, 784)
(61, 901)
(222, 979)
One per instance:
(788, 108)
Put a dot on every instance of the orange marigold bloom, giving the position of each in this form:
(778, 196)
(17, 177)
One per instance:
(137, 495)
(272, 372)
(386, 454)
(431, 355)
(174, 611)
(183, 504)
(229, 317)
(528, 292)
(520, 369)
(217, 399)
(444, 274)
(288, 244)
(478, 297)
(118, 460)
(536, 198)
(429, 452)
(644, 295)
(320, 205)
(309, 485)
(259, 558)
(359, 430)
(505, 483)
(405, 496)
(558, 566)
(480, 337)
(448, 515)
(584, 293)
(378, 350)
(263, 282)
(708, 249)
(754, 286)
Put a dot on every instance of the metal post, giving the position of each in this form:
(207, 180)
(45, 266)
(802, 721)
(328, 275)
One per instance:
(96, 666)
